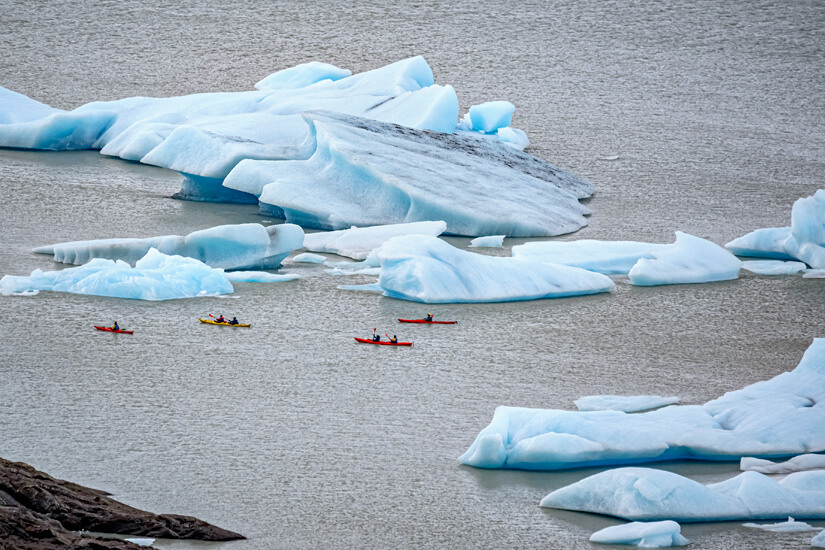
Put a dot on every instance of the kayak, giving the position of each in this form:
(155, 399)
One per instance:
(211, 322)
(382, 343)
(428, 322)
(110, 329)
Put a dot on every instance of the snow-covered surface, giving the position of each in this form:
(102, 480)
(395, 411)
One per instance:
(782, 416)
(156, 276)
(625, 403)
(259, 277)
(241, 246)
(796, 464)
(491, 241)
(646, 494)
(773, 267)
(688, 260)
(427, 269)
(804, 240)
(655, 534)
(364, 172)
(358, 242)
(790, 526)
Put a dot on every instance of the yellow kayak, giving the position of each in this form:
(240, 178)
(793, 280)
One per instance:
(211, 322)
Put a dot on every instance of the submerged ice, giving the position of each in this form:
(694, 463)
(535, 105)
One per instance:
(241, 246)
(782, 416)
(156, 276)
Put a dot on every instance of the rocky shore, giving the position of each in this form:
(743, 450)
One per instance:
(39, 512)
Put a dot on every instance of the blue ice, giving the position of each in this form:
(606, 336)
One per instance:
(653, 534)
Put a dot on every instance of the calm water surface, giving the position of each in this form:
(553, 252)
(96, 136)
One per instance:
(704, 118)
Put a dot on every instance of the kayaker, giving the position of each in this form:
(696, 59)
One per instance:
(375, 336)
(115, 327)
(234, 321)
(429, 317)
(221, 319)
(393, 340)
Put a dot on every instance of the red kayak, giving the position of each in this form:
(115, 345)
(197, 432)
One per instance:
(382, 343)
(428, 322)
(110, 329)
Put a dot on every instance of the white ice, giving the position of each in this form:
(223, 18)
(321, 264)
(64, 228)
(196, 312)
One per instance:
(259, 277)
(625, 403)
(241, 246)
(796, 464)
(309, 258)
(491, 241)
(488, 117)
(655, 534)
(819, 540)
(358, 242)
(773, 267)
(790, 526)
(782, 416)
(804, 240)
(156, 276)
(427, 269)
(303, 75)
(814, 274)
(647, 494)
(688, 260)
(364, 173)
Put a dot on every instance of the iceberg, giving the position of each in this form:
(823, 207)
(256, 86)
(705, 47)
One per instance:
(790, 526)
(156, 276)
(646, 494)
(625, 403)
(782, 416)
(773, 267)
(796, 464)
(426, 269)
(358, 242)
(655, 534)
(240, 246)
(804, 240)
(688, 260)
(366, 172)
(488, 117)
(492, 241)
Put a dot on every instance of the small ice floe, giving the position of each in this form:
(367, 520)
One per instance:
(259, 277)
(790, 526)
(814, 274)
(491, 241)
(309, 258)
(625, 403)
(654, 534)
(819, 540)
(358, 242)
(773, 267)
(142, 541)
(798, 463)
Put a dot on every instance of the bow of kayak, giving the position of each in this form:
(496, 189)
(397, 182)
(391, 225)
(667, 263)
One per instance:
(382, 343)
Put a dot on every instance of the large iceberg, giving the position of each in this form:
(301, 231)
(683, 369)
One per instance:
(804, 240)
(358, 242)
(240, 246)
(782, 416)
(364, 172)
(646, 494)
(156, 276)
(427, 269)
(688, 260)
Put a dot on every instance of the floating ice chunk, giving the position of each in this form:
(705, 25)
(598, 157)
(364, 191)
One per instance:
(259, 277)
(790, 526)
(773, 267)
(819, 540)
(156, 276)
(489, 117)
(796, 464)
(366, 173)
(303, 75)
(242, 246)
(309, 258)
(804, 240)
(689, 260)
(141, 541)
(513, 137)
(646, 494)
(608, 257)
(16, 107)
(656, 534)
(782, 416)
(623, 403)
(358, 242)
(814, 274)
(492, 241)
(427, 269)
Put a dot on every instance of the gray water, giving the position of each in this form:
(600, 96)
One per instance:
(291, 433)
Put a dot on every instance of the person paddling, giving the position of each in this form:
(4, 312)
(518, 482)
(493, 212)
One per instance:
(115, 326)
(221, 319)
(375, 336)
(234, 321)
(429, 317)
(393, 339)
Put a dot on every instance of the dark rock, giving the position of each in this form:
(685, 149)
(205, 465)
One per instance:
(38, 511)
